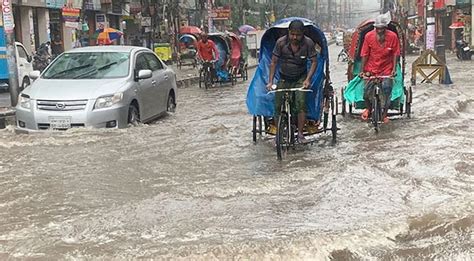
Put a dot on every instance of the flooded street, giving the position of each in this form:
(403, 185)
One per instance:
(193, 185)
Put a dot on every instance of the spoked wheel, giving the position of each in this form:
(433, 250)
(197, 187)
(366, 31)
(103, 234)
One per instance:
(200, 78)
(408, 102)
(283, 135)
(207, 80)
(376, 114)
(333, 120)
(343, 112)
(254, 129)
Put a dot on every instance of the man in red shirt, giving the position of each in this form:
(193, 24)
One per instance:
(380, 53)
(207, 50)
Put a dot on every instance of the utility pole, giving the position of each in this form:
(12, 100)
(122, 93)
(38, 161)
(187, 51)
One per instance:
(9, 26)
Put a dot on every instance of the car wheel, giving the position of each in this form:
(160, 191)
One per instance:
(24, 84)
(133, 115)
(171, 107)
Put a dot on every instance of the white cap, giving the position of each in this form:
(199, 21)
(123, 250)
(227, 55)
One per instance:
(382, 20)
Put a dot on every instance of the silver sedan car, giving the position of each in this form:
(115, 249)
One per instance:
(103, 86)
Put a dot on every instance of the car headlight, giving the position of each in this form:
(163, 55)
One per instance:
(108, 101)
(25, 102)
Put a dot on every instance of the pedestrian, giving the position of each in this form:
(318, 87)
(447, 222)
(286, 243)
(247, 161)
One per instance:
(56, 46)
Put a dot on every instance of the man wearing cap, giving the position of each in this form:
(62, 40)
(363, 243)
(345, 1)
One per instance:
(380, 53)
(293, 51)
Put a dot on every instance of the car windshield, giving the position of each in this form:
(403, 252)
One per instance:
(89, 65)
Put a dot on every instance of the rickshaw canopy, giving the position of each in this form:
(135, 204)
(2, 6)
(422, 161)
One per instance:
(187, 38)
(259, 102)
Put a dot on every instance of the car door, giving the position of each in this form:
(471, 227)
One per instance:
(24, 65)
(161, 83)
(145, 88)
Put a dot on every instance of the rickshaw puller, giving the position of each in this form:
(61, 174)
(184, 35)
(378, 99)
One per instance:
(207, 51)
(292, 52)
(380, 53)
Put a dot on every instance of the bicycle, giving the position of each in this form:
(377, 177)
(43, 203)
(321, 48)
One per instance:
(343, 56)
(285, 135)
(206, 74)
(376, 111)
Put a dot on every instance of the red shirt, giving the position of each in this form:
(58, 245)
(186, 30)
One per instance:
(380, 57)
(206, 50)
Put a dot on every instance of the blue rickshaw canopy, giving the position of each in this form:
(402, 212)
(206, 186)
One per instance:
(259, 102)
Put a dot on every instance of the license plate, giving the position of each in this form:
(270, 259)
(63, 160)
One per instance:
(467, 48)
(60, 122)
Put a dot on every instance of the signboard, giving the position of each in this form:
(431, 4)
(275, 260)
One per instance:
(8, 21)
(220, 13)
(56, 4)
(430, 33)
(100, 21)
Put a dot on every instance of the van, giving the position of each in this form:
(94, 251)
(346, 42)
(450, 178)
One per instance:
(24, 66)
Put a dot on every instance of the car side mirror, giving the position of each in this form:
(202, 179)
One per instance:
(144, 74)
(29, 58)
(34, 75)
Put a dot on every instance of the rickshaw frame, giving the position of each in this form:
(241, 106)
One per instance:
(325, 101)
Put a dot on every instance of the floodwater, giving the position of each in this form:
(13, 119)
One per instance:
(193, 185)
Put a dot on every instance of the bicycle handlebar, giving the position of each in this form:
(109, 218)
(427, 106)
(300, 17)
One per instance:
(378, 77)
(291, 90)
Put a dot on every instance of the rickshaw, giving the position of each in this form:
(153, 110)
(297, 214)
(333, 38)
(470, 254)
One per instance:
(221, 66)
(352, 94)
(238, 64)
(187, 50)
(320, 101)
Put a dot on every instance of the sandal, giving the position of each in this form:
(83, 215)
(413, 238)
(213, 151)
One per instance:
(386, 119)
(365, 115)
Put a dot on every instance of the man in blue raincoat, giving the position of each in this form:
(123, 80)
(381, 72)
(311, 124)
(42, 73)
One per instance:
(292, 52)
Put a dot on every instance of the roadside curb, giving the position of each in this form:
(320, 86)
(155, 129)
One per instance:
(185, 83)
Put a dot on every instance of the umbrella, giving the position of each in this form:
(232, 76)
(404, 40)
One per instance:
(107, 35)
(246, 28)
(190, 30)
(456, 25)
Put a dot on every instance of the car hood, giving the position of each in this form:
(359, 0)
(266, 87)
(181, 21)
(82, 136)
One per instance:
(65, 89)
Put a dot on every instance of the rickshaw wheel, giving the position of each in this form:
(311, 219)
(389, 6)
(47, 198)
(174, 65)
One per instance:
(408, 102)
(200, 79)
(343, 103)
(282, 134)
(254, 129)
(376, 114)
(333, 120)
(246, 74)
(350, 109)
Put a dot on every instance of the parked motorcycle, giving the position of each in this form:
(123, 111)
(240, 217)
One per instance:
(463, 51)
(42, 58)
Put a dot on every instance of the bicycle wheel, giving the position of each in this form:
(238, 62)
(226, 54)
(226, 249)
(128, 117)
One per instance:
(201, 79)
(207, 79)
(282, 137)
(376, 113)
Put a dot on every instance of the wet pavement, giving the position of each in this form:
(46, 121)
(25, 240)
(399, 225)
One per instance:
(193, 185)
